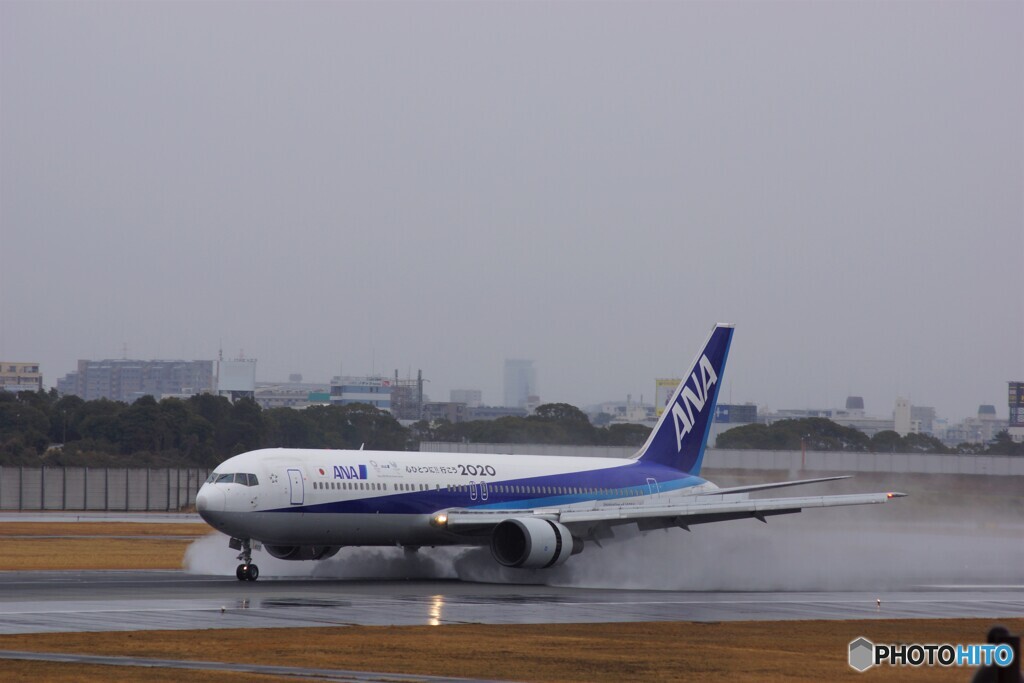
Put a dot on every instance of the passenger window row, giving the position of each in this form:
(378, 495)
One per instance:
(547, 490)
(350, 486)
(464, 488)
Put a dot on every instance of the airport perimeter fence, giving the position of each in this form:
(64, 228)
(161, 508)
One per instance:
(99, 488)
(790, 461)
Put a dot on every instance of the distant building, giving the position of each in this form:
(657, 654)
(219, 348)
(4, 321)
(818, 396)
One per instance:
(924, 417)
(730, 415)
(292, 395)
(374, 391)
(628, 412)
(663, 391)
(901, 417)
(727, 413)
(852, 416)
(15, 377)
(129, 380)
(980, 429)
(1015, 425)
(236, 379)
(451, 411)
(494, 412)
(407, 397)
(473, 398)
(520, 382)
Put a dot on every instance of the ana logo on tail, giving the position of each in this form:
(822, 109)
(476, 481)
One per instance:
(692, 398)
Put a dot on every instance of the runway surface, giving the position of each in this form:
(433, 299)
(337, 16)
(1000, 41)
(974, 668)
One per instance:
(41, 602)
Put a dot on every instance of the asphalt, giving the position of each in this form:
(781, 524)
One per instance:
(46, 602)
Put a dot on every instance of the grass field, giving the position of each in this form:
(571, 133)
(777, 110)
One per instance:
(663, 651)
(95, 545)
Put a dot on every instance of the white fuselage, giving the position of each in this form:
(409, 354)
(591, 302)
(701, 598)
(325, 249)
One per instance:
(328, 497)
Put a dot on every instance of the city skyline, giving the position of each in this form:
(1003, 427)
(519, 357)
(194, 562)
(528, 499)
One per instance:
(647, 399)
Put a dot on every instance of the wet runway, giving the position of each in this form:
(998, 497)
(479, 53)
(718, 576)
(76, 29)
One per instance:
(40, 602)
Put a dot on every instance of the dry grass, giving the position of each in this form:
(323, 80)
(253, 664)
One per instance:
(191, 530)
(40, 546)
(668, 651)
(41, 554)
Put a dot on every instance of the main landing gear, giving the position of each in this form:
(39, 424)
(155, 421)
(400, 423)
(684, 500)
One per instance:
(246, 571)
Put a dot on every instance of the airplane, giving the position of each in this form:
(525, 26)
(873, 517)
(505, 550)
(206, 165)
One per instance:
(534, 511)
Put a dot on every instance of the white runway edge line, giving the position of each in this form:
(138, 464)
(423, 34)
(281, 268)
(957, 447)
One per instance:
(295, 672)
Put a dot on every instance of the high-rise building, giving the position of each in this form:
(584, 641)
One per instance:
(520, 382)
(901, 417)
(129, 380)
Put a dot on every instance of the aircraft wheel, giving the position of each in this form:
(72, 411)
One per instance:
(254, 572)
(242, 572)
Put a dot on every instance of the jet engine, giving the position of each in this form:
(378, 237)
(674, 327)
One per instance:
(302, 552)
(532, 543)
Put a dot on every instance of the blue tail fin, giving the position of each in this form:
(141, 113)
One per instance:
(679, 438)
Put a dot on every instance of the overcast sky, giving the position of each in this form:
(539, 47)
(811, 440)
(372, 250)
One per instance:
(357, 187)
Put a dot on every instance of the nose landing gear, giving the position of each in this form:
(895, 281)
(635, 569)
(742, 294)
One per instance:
(246, 571)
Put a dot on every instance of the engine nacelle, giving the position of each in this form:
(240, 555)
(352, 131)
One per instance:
(302, 552)
(532, 543)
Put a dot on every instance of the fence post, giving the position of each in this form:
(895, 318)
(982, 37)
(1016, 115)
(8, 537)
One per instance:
(64, 488)
(126, 475)
(168, 489)
(106, 489)
(147, 489)
(42, 488)
(21, 488)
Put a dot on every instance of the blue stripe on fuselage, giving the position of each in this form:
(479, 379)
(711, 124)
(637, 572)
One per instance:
(632, 478)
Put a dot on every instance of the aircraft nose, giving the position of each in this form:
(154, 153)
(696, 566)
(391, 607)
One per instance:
(209, 501)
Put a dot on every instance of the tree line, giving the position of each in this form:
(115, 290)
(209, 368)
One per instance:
(821, 434)
(204, 430)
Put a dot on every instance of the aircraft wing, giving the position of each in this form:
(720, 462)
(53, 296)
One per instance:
(683, 512)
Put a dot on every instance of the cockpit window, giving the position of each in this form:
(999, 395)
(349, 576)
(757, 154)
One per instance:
(243, 478)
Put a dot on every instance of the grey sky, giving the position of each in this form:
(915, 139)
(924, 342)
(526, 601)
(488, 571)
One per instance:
(592, 185)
